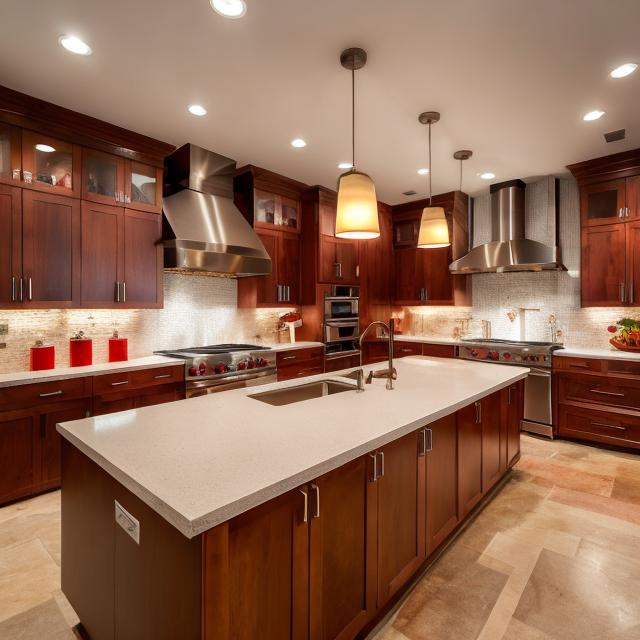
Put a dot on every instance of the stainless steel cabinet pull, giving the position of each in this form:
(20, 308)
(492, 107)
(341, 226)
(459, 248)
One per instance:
(315, 488)
(626, 212)
(279, 292)
(338, 269)
(289, 357)
(429, 437)
(607, 393)
(381, 454)
(374, 457)
(124, 292)
(21, 288)
(623, 295)
(52, 393)
(406, 350)
(608, 426)
(509, 396)
(422, 449)
(288, 293)
(478, 412)
(305, 516)
(117, 384)
(579, 365)
(160, 377)
(620, 212)
(13, 288)
(117, 292)
(30, 289)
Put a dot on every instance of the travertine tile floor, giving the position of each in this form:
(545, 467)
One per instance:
(555, 556)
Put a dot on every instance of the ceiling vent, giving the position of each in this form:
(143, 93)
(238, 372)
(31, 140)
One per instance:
(614, 136)
(411, 192)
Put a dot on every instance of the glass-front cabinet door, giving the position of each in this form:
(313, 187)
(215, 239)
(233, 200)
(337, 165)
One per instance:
(273, 211)
(10, 154)
(603, 202)
(103, 177)
(50, 164)
(143, 187)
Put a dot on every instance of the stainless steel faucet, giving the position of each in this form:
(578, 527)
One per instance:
(390, 373)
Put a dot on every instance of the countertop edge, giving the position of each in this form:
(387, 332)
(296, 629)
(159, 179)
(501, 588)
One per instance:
(597, 354)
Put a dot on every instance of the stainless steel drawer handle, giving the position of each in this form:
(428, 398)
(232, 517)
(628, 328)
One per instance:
(314, 487)
(374, 457)
(124, 292)
(305, 516)
(608, 426)
(607, 393)
(580, 365)
(30, 289)
(52, 393)
(406, 350)
(117, 384)
(13, 288)
(289, 357)
(381, 454)
(164, 375)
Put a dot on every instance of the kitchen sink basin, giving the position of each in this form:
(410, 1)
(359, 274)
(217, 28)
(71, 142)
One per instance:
(301, 392)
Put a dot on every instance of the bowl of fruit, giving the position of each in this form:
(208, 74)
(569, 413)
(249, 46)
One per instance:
(627, 334)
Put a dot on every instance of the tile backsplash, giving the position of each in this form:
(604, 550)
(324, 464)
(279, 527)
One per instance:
(519, 305)
(197, 311)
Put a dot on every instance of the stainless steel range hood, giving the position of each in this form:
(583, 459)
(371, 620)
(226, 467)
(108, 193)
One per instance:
(509, 250)
(203, 231)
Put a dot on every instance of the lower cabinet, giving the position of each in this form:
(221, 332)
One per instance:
(469, 458)
(299, 363)
(512, 402)
(491, 420)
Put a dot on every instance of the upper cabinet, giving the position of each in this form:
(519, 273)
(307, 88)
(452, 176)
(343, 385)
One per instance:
(273, 211)
(338, 258)
(143, 186)
(609, 214)
(10, 154)
(422, 276)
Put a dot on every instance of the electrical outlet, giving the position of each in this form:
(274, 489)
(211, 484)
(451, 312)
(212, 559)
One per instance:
(4, 329)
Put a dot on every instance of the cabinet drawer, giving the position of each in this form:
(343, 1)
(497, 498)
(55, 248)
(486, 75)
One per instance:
(402, 349)
(439, 350)
(41, 393)
(577, 364)
(599, 426)
(294, 356)
(112, 382)
(162, 375)
(342, 362)
(299, 371)
(600, 390)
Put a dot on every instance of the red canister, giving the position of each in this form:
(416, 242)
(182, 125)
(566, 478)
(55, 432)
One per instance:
(42, 356)
(80, 350)
(118, 348)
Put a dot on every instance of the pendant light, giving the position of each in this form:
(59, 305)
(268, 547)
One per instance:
(434, 229)
(357, 211)
(463, 154)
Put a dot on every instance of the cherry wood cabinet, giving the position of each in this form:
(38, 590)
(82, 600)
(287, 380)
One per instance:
(603, 265)
(400, 473)
(343, 549)
(299, 363)
(261, 558)
(103, 177)
(513, 408)
(493, 435)
(143, 186)
(10, 154)
(633, 261)
(603, 202)
(10, 245)
(469, 458)
(338, 362)
(442, 482)
(18, 454)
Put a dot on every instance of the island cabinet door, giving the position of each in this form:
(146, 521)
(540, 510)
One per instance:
(491, 418)
(256, 573)
(400, 471)
(469, 458)
(513, 408)
(343, 551)
(18, 454)
(442, 481)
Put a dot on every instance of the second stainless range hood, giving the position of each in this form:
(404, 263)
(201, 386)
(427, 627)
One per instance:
(203, 231)
(509, 249)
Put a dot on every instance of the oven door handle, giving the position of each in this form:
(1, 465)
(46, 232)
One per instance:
(337, 323)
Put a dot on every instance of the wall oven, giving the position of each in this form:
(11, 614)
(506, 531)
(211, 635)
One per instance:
(341, 320)
(341, 330)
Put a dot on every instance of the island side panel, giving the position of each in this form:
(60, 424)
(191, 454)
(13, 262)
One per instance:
(120, 589)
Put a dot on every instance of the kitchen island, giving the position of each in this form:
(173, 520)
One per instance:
(227, 517)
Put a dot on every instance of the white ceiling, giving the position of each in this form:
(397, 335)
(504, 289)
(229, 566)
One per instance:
(512, 79)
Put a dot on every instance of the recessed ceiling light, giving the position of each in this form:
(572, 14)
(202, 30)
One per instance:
(229, 8)
(345, 165)
(423, 172)
(624, 70)
(197, 110)
(45, 148)
(75, 45)
(592, 115)
(487, 175)
(298, 143)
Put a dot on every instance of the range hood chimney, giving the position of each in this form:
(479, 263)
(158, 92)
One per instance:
(509, 249)
(204, 233)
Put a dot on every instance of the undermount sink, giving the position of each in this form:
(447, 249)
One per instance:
(301, 392)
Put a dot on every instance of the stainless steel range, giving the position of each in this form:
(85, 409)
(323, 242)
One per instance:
(538, 413)
(222, 367)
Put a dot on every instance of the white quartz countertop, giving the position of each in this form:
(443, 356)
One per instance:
(202, 461)
(426, 339)
(605, 354)
(49, 375)
(289, 346)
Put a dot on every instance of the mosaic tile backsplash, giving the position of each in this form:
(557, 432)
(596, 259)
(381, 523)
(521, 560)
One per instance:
(197, 311)
(519, 305)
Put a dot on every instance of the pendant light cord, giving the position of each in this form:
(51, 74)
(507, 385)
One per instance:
(460, 174)
(429, 163)
(353, 119)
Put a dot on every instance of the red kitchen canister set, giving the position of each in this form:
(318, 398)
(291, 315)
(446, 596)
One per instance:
(43, 356)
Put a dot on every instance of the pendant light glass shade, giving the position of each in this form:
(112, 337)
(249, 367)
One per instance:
(434, 229)
(357, 212)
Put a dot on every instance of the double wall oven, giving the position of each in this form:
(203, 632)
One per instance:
(341, 325)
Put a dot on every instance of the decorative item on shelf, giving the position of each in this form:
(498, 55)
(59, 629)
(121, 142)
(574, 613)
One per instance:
(80, 350)
(118, 348)
(291, 321)
(627, 336)
(434, 228)
(42, 356)
(357, 209)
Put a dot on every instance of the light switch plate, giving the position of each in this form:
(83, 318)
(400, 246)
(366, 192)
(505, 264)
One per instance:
(130, 524)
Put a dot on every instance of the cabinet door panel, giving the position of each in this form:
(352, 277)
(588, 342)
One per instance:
(406, 288)
(256, 574)
(491, 441)
(289, 265)
(401, 514)
(347, 261)
(143, 186)
(469, 460)
(268, 285)
(10, 244)
(603, 266)
(102, 253)
(514, 404)
(633, 262)
(51, 249)
(103, 177)
(10, 154)
(18, 456)
(432, 272)
(601, 203)
(342, 590)
(142, 259)
(442, 482)
(633, 198)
